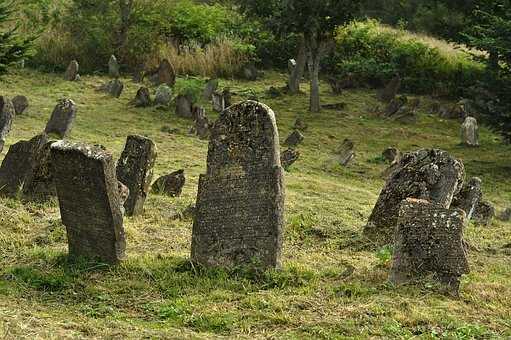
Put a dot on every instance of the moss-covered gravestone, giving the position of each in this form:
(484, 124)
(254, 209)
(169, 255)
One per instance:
(62, 119)
(135, 170)
(89, 200)
(240, 201)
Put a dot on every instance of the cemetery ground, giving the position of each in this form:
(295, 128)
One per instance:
(332, 284)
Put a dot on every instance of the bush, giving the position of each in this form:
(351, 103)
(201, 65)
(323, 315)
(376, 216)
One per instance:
(374, 54)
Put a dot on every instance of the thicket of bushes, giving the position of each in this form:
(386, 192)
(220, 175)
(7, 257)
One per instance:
(374, 54)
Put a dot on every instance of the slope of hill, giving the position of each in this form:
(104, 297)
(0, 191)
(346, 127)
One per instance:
(331, 285)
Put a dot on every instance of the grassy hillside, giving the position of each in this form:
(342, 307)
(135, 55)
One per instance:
(331, 285)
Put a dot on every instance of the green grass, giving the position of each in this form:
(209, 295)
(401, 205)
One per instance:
(330, 286)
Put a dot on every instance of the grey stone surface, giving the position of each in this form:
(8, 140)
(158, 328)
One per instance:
(469, 196)
(391, 90)
(113, 67)
(20, 104)
(201, 123)
(72, 71)
(218, 101)
(346, 152)
(142, 98)
(184, 106)
(62, 119)
(7, 114)
(294, 139)
(171, 184)
(26, 170)
(470, 132)
(135, 170)
(89, 200)
(429, 239)
(240, 200)
(113, 88)
(166, 73)
(163, 95)
(484, 213)
(210, 88)
(429, 174)
(289, 157)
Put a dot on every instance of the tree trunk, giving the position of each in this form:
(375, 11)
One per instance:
(315, 54)
(296, 76)
(125, 10)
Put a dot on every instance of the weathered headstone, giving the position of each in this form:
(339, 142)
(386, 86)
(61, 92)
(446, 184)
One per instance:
(7, 114)
(26, 169)
(218, 101)
(171, 184)
(210, 88)
(429, 239)
(135, 170)
(484, 213)
(113, 67)
(346, 152)
(89, 200)
(166, 73)
(72, 71)
(201, 123)
(300, 125)
(470, 132)
(163, 95)
(469, 196)
(62, 118)
(429, 174)
(142, 98)
(289, 157)
(20, 104)
(391, 90)
(240, 201)
(395, 105)
(184, 106)
(294, 139)
(113, 88)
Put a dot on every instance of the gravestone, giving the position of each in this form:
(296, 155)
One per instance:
(218, 101)
(20, 104)
(124, 193)
(289, 157)
(470, 132)
(393, 157)
(429, 239)
(505, 215)
(113, 88)
(142, 98)
(294, 139)
(250, 72)
(240, 201)
(395, 106)
(227, 97)
(300, 125)
(7, 114)
(163, 95)
(429, 174)
(184, 106)
(210, 88)
(171, 184)
(135, 170)
(62, 119)
(201, 123)
(113, 67)
(26, 170)
(166, 73)
(391, 90)
(484, 213)
(346, 152)
(469, 196)
(72, 71)
(89, 200)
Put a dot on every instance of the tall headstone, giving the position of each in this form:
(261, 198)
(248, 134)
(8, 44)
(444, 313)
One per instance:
(210, 88)
(201, 122)
(240, 201)
(184, 107)
(135, 170)
(470, 132)
(62, 119)
(7, 114)
(166, 73)
(429, 239)
(429, 174)
(26, 169)
(72, 71)
(89, 200)
(113, 67)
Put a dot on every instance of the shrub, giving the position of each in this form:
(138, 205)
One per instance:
(374, 54)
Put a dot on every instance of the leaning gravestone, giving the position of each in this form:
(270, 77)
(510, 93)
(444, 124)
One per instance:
(391, 90)
(469, 197)
(26, 169)
(240, 202)
(346, 152)
(135, 170)
(7, 114)
(470, 132)
(431, 174)
(289, 157)
(89, 200)
(113, 67)
(72, 71)
(429, 239)
(294, 139)
(142, 98)
(171, 184)
(166, 73)
(20, 104)
(62, 118)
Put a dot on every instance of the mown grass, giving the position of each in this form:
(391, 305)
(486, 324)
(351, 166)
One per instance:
(331, 285)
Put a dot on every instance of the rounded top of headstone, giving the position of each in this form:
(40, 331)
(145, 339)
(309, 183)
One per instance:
(92, 151)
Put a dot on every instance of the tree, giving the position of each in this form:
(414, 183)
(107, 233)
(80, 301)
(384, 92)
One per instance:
(314, 21)
(13, 48)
